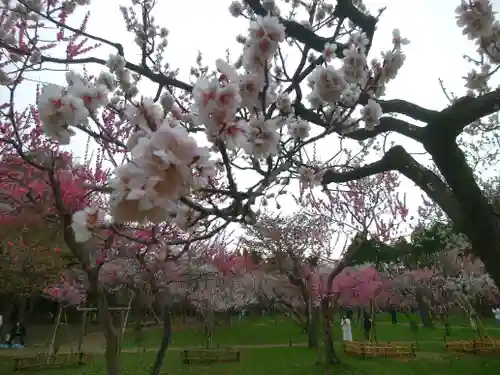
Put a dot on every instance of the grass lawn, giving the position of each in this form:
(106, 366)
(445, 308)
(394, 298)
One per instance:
(288, 361)
(281, 330)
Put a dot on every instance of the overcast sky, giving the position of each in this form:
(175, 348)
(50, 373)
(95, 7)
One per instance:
(435, 51)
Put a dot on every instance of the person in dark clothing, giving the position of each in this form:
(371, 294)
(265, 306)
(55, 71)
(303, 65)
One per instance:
(19, 330)
(394, 316)
(367, 326)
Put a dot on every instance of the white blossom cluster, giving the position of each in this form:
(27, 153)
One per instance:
(60, 108)
(8, 34)
(343, 86)
(469, 287)
(165, 162)
(477, 20)
(217, 100)
(85, 221)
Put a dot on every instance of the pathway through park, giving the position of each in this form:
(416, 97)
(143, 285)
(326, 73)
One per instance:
(99, 349)
(94, 344)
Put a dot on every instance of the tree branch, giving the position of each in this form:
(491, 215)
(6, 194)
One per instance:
(451, 121)
(344, 9)
(155, 77)
(387, 124)
(408, 109)
(397, 159)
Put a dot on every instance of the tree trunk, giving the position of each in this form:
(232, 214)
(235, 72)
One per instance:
(138, 314)
(486, 245)
(112, 336)
(359, 315)
(331, 357)
(165, 341)
(22, 303)
(312, 329)
(423, 308)
(468, 207)
(32, 304)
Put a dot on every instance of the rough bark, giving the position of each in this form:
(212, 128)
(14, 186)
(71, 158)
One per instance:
(456, 192)
(138, 315)
(22, 303)
(423, 307)
(479, 219)
(331, 357)
(112, 336)
(312, 330)
(209, 326)
(165, 341)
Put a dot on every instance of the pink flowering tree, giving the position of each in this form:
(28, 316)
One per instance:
(472, 289)
(293, 246)
(31, 229)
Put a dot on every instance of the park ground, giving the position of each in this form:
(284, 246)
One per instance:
(275, 345)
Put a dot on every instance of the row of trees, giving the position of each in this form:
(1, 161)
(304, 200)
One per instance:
(140, 211)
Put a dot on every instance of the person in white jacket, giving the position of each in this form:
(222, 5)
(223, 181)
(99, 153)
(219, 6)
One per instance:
(346, 328)
(496, 314)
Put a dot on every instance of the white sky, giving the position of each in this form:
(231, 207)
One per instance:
(435, 51)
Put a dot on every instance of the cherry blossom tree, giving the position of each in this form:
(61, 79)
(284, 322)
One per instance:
(121, 264)
(293, 245)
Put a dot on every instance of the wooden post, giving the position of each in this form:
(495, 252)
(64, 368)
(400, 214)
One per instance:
(128, 311)
(51, 350)
(120, 336)
(119, 309)
(83, 329)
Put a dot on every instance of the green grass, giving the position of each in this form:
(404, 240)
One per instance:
(290, 361)
(280, 330)
(432, 360)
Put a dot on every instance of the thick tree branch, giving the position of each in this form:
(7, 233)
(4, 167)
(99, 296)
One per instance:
(397, 159)
(408, 109)
(387, 124)
(451, 121)
(387, 163)
(344, 9)
(143, 71)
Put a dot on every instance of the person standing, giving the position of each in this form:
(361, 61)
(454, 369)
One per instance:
(394, 316)
(367, 326)
(473, 320)
(19, 330)
(1, 330)
(346, 328)
(496, 314)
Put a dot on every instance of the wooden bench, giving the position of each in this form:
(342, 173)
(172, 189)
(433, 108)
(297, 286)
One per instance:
(460, 346)
(386, 350)
(210, 356)
(487, 346)
(42, 361)
(478, 347)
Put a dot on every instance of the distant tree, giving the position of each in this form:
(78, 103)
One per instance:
(291, 245)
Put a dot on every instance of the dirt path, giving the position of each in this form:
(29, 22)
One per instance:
(100, 349)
